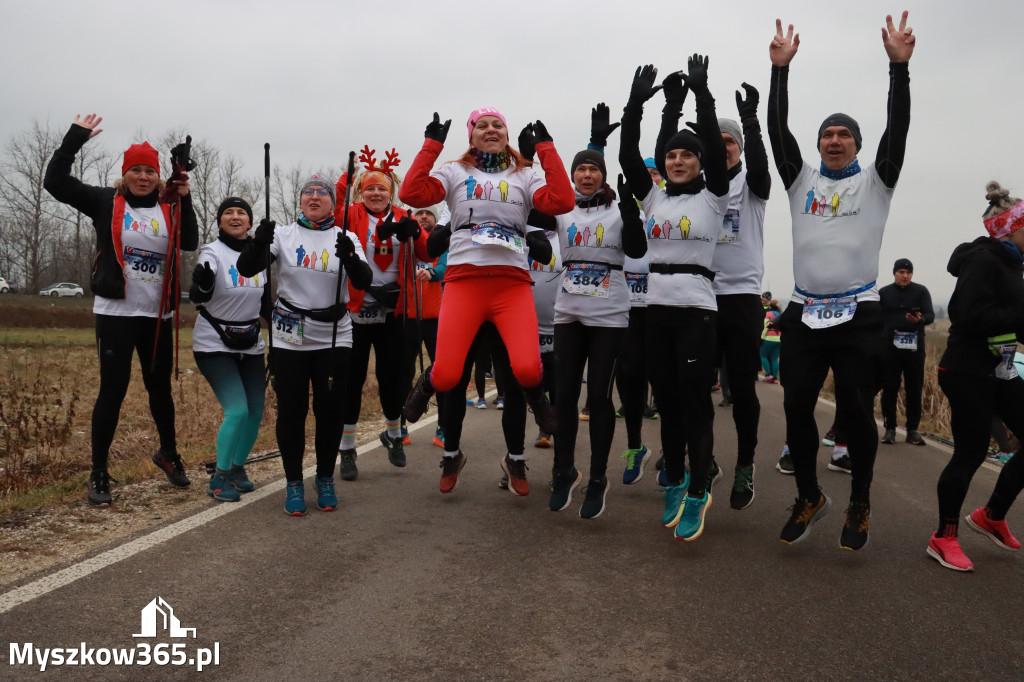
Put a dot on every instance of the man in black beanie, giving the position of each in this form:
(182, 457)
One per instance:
(834, 321)
(906, 310)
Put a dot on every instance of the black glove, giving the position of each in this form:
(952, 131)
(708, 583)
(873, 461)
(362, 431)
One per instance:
(203, 277)
(408, 228)
(696, 77)
(628, 208)
(527, 144)
(344, 248)
(180, 154)
(540, 133)
(600, 125)
(694, 127)
(386, 229)
(748, 107)
(643, 87)
(436, 130)
(265, 232)
(538, 246)
(675, 91)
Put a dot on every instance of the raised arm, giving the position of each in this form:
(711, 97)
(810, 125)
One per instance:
(675, 96)
(556, 196)
(716, 175)
(899, 45)
(758, 178)
(784, 147)
(630, 158)
(59, 181)
(419, 188)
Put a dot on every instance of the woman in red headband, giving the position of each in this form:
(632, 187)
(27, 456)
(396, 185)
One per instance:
(488, 279)
(977, 375)
(133, 230)
(384, 233)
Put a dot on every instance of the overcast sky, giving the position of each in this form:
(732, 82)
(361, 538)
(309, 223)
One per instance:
(317, 79)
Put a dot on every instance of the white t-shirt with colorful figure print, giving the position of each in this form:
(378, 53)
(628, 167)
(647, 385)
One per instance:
(592, 293)
(235, 299)
(144, 240)
(739, 252)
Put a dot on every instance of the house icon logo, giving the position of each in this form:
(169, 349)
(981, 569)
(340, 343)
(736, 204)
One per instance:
(159, 616)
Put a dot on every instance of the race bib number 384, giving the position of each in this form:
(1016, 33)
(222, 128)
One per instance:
(586, 279)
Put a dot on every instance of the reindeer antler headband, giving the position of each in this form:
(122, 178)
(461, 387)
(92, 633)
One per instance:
(377, 174)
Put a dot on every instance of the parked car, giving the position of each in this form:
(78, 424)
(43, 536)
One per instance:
(13, 287)
(62, 289)
(5, 286)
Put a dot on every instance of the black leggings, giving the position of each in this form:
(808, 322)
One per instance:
(116, 339)
(631, 377)
(680, 353)
(576, 345)
(452, 404)
(973, 401)
(414, 342)
(740, 322)
(388, 343)
(483, 360)
(296, 371)
(908, 365)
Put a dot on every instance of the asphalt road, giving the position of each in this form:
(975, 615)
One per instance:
(403, 583)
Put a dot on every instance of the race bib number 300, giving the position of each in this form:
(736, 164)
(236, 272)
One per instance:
(142, 265)
(828, 312)
(586, 279)
(497, 235)
(288, 326)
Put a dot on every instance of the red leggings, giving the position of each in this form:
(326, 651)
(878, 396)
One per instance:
(467, 303)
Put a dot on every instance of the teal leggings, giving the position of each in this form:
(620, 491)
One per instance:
(770, 358)
(237, 381)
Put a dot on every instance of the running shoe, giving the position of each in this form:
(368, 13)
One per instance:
(515, 471)
(830, 438)
(890, 437)
(618, 412)
(585, 414)
(172, 467)
(221, 489)
(98, 487)
(726, 402)
(914, 437)
(562, 486)
(348, 469)
(805, 514)
(239, 480)
(674, 495)
(785, 464)
(742, 487)
(418, 398)
(660, 464)
(947, 552)
(842, 465)
(650, 412)
(450, 468)
(636, 460)
(855, 529)
(480, 404)
(594, 496)
(295, 499)
(768, 379)
(470, 402)
(406, 440)
(543, 412)
(500, 403)
(714, 473)
(543, 440)
(997, 531)
(326, 500)
(438, 437)
(691, 521)
(396, 452)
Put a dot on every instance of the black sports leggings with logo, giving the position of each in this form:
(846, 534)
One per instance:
(388, 341)
(117, 338)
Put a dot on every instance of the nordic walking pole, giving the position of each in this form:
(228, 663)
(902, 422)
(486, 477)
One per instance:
(349, 172)
(270, 282)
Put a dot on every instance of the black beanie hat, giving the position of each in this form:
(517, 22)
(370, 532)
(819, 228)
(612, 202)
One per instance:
(589, 156)
(840, 120)
(234, 202)
(902, 264)
(688, 140)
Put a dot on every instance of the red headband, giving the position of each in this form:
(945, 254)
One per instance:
(1002, 224)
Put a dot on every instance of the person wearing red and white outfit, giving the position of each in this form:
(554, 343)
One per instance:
(384, 232)
(490, 196)
(134, 278)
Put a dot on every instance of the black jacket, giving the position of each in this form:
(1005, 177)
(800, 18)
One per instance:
(98, 203)
(988, 301)
(897, 301)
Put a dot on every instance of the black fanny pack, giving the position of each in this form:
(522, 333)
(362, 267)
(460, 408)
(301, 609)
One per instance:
(329, 314)
(386, 295)
(682, 269)
(234, 335)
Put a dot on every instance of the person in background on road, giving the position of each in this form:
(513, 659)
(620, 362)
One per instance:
(489, 197)
(906, 311)
(132, 285)
(739, 266)
(228, 346)
(312, 332)
(978, 376)
(681, 306)
(771, 344)
(427, 296)
(547, 280)
(384, 232)
(839, 211)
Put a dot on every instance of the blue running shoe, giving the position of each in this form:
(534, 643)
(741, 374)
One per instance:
(663, 477)
(636, 460)
(674, 495)
(691, 522)
(221, 489)
(295, 502)
(480, 404)
(326, 500)
(239, 480)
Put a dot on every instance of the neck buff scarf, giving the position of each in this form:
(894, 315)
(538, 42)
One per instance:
(492, 163)
(1012, 249)
(592, 201)
(233, 243)
(692, 187)
(852, 169)
(325, 224)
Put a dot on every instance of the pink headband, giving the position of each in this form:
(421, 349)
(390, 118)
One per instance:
(1002, 224)
(480, 113)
